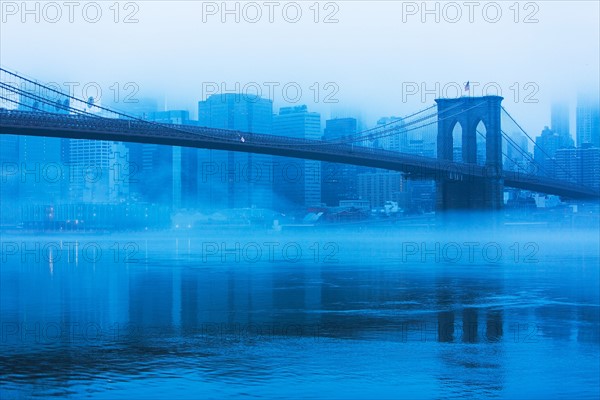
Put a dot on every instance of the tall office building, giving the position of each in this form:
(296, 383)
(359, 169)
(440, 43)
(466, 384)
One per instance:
(560, 123)
(588, 120)
(234, 179)
(297, 183)
(545, 151)
(43, 175)
(99, 171)
(379, 185)
(382, 186)
(412, 195)
(134, 161)
(580, 165)
(396, 142)
(173, 173)
(42, 171)
(517, 157)
(339, 181)
(166, 174)
(10, 179)
(9, 162)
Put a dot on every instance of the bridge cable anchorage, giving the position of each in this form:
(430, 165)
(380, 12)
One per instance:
(541, 148)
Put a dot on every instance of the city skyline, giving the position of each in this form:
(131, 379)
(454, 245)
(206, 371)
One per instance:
(299, 199)
(392, 87)
(239, 106)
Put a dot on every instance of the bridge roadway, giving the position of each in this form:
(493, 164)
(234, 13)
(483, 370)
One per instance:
(136, 131)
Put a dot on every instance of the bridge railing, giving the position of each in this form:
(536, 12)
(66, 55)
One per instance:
(416, 165)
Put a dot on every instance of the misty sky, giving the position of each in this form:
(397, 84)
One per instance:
(371, 53)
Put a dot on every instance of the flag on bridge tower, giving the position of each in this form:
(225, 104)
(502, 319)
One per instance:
(467, 87)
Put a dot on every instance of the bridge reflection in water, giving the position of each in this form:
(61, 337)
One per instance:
(364, 324)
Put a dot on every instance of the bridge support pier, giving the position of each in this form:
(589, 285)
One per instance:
(457, 194)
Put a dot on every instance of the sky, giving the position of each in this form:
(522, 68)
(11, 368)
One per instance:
(365, 59)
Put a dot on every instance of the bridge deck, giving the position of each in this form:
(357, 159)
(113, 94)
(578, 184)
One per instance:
(122, 130)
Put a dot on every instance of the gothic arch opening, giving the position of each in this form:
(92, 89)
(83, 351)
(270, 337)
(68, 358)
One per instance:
(480, 140)
(457, 131)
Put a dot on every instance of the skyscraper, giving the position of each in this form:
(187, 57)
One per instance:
(169, 174)
(297, 183)
(396, 142)
(99, 171)
(545, 151)
(146, 163)
(233, 179)
(413, 195)
(560, 123)
(518, 157)
(12, 179)
(580, 165)
(42, 174)
(339, 181)
(382, 186)
(588, 120)
(173, 172)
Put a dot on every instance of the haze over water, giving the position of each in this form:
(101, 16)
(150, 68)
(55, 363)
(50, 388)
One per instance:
(388, 313)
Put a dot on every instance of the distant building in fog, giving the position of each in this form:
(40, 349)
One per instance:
(560, 123)
(42, 174)
(546, 146)
(381, 186)
(588, 120)
(297, 183)
(415, 195)
(232, 179)
(41, 157)
(100, 171)
(339, 181)
(518, 157)
(580, 165)
(170, 173)
(388, 141)
(10, 180)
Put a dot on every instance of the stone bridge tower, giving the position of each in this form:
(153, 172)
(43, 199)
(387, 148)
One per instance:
(457, 192)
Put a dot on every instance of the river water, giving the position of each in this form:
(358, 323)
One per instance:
(342, 314)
